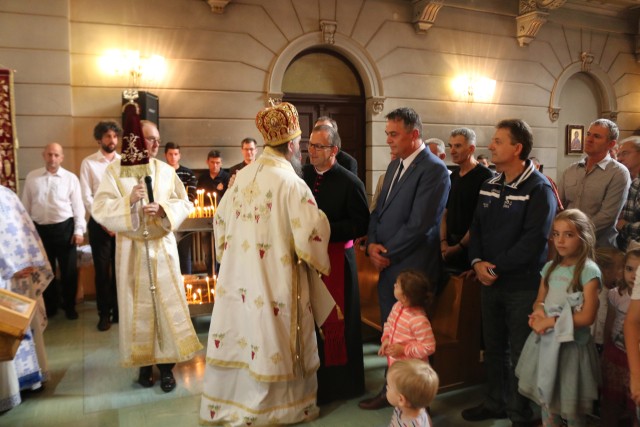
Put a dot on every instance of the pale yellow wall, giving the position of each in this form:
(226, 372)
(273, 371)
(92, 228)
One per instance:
(219, 67)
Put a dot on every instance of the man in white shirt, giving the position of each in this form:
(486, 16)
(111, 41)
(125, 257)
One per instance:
(53, 200)
(103, 242)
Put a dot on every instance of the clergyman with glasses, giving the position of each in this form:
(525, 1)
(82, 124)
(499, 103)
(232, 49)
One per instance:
(155, 326)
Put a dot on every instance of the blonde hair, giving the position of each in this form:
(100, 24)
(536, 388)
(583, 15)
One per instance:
(416, 381)
(622, 284)
(587, 234)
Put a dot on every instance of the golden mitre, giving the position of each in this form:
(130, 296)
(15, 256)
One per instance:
(278, 123)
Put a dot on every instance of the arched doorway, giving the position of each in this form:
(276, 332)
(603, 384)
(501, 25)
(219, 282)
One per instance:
(322, 82)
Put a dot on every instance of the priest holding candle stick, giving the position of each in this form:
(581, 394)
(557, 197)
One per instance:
(155, 326)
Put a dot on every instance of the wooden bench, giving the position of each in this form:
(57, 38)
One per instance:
(455, 322)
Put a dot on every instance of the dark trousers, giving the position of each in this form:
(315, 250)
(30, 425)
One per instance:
(505, 329)
(185, 241)
(103, 251)
(61, 252)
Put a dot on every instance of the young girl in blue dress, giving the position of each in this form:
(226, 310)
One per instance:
(558, 367)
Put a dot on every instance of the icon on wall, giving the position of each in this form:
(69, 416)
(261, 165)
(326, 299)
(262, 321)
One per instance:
(574, 143)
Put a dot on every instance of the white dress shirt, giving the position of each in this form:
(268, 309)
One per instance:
(52, 198)
(91, 172)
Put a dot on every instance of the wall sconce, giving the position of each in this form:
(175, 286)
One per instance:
(130, 63)
(473, 89)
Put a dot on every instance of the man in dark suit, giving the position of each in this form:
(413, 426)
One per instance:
(404, 227)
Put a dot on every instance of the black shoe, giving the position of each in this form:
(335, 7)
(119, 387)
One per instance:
(115, 317)
(378, 402)
(104, 324)
(167, 382)
(71, 314)
(481, 413)
(145, 377)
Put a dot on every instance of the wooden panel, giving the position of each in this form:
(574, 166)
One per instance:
(368, 283)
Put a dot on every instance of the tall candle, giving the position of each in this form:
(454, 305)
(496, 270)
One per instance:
(208, 291)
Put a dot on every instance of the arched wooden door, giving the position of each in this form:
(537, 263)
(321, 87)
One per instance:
(324, 83)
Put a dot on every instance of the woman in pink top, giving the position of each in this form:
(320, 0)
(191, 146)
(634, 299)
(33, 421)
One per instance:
(407, 331)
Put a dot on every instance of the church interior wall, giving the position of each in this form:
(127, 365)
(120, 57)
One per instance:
(219, 65)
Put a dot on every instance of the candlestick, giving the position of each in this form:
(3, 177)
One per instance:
(189, 291)
(208, 291)
(200, 295)
(215, 201)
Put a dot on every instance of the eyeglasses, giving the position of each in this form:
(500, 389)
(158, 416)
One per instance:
(153, 140)
(320, 146)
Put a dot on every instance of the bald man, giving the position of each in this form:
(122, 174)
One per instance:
(53, 199)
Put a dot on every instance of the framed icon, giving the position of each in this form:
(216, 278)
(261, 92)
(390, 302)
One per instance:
(574, 143)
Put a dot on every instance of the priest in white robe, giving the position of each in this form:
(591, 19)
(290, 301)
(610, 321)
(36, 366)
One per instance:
(155, 326)
(24, 269)
(271, 243)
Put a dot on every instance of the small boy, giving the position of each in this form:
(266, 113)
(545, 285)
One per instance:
(411, 386)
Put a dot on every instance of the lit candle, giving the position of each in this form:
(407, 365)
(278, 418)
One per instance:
(200, 295)
(189, 291)
(215, 201)
(208, 291)
(210, 199)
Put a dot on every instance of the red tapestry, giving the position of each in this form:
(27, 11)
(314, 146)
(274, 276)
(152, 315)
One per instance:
(8, 138)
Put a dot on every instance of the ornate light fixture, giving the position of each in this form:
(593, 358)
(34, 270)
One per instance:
(473, 89)
(138, 69)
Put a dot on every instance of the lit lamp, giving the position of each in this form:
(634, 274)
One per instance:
(473, 89)
(137, 68)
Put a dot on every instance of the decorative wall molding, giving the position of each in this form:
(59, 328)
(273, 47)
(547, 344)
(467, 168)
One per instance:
(528, 26)
(532, 15)
(217, 6)
(587, 60)
(611, 115)
(424, 14)
(375, 105)
(554, 114)
(608, 101)
(328, 29)
(358, 55)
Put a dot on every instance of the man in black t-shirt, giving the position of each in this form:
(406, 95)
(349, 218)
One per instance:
(463, 197)
(190, 182)
(216, 180)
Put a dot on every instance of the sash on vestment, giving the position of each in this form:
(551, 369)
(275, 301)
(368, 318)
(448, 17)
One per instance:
(335, 347)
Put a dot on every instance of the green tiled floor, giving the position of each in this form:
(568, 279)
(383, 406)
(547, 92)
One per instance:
(88, 388)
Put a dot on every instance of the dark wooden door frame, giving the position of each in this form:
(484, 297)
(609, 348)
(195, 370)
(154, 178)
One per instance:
(352, 130)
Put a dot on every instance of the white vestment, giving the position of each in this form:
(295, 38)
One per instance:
(271, 241)
(141, 343)
(21, 248)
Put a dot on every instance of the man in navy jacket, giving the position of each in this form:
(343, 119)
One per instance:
(508, 248)
(404, 227)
